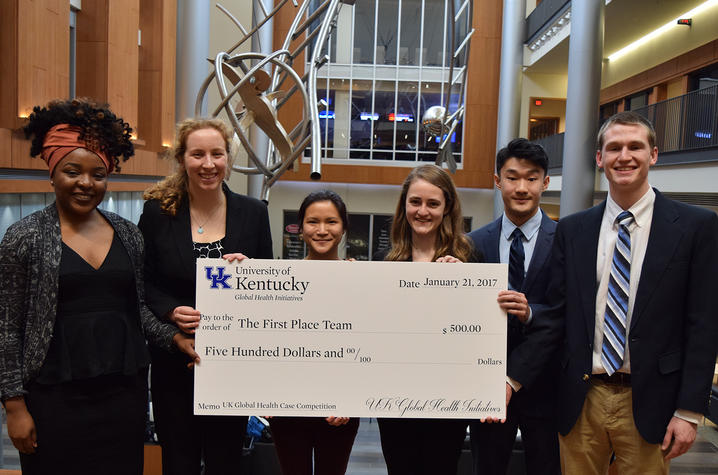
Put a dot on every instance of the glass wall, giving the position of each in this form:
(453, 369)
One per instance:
(15, 206)
(388, 66)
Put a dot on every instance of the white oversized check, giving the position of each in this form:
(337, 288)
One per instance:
(357, 339)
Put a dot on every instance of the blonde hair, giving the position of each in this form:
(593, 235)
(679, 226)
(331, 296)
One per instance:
(627, 118)
(450, 238)
(173, 189)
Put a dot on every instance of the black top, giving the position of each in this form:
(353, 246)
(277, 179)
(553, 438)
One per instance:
(97, 328)
(213, 249)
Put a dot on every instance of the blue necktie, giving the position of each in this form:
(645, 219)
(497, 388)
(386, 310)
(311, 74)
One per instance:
(516, 260)
(614, 320)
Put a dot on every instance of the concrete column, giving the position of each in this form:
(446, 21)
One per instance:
(512, 43)
(262, 42)
(192, 51)
(585, 57)
(344, 40)
(342, 107)
(342, 118)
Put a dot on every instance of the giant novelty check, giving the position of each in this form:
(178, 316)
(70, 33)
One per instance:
(355, 339)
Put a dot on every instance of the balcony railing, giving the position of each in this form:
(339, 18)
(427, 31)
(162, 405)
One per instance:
(685, 122)
(542, 15)
(686, 130)
(553, 144)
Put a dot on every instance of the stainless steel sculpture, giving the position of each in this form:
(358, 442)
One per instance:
(254, 86)
(439, 121)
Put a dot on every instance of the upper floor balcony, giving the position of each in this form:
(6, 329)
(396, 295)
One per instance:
(686, 130)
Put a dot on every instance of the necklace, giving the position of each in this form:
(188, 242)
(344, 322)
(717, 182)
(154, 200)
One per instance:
(200, 226)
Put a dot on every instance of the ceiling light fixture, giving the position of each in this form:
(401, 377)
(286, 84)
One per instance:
(659, 31)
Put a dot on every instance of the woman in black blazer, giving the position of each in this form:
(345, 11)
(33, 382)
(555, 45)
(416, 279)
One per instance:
(192, 214)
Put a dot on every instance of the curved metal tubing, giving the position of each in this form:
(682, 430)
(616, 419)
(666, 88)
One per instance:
(226, 96)
(452, 121)
(451, 72)
(316, 172)
(307, 133)
(310, 19)
(202, 92)
(232, 18)
(219, 76)
(288, 163)
(295, 24)
(260, 65)
(276, 82)
(256, 28)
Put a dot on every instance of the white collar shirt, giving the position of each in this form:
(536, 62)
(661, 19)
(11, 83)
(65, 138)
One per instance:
(530, 231)
(639, 230)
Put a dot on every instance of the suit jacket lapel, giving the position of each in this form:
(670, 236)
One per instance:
(235, 222)
(665, 235)
(585, 253)
(492, 242)
(180, 225)
(541, 251)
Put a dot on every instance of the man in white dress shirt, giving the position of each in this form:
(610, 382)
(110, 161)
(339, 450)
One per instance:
(633, 284)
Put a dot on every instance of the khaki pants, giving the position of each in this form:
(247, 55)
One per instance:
(605, 426)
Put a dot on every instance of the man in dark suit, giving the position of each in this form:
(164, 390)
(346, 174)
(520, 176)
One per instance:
(633, 283)
(522, 238)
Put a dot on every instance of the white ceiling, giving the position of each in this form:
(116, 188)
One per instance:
(625, 22)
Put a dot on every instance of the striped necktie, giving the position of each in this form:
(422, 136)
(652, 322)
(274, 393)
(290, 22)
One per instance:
(614, 321)
(516, 260)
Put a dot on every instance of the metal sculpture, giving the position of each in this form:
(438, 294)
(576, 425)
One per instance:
(437, 122)
(254, 86)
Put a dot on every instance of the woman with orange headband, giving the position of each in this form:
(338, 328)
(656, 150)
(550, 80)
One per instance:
(73, 322)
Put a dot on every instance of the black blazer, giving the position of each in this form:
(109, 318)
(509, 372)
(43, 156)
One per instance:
(673, 336)
(170, 272)
(537, 383)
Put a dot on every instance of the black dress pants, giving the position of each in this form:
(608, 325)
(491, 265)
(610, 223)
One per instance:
(88, 427)
(298, 440)
(422, 446)
(492, 444)
(187, 439)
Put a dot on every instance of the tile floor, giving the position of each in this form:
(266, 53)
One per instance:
(366, 458)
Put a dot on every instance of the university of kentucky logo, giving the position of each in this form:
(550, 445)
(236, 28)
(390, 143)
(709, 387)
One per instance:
(219, 280)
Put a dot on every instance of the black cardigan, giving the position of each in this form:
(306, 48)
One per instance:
(29, 278)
